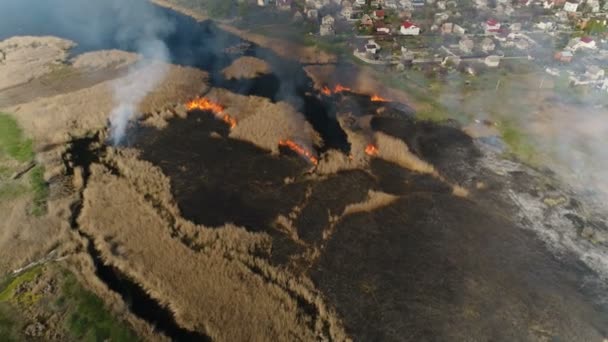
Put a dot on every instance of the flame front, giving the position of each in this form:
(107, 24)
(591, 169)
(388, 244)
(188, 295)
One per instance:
(371, 150)
(340, 88)
(292, 145)
(377, 98)
(215, 108)
(337, 89)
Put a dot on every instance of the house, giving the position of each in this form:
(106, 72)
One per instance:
(312, 14)
(441, 17)
(522, 44)
(492, 61)
(563, 56)
(487, 45)
(328, 20)
(466, 45)
(346, 12)
(459, 30)
(581, 43)
(297, 17)
(378, 15)
(409, 29)
(327, 26)
(594, 5)
(515, 27)
(594, 72)
(372, 47)
(360, 3)
(327, 30)
(441, 5)
(418, 3)
(447, 28)
(366, 20)
(284, 5)
(552, 71)
(491, 25)
(391, 4)
(381, 27)
(544, 25)
(263, 2)
(570, 6)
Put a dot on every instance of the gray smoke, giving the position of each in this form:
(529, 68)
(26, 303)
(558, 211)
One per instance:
(132, 25)
(149, 71)
(131, 90)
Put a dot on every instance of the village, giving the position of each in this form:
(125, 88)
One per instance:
(567, 39)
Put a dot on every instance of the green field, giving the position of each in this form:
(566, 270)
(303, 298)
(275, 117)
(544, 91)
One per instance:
(16, 151)
(82, 315)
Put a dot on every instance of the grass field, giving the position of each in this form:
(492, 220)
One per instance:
(84, 316)
(12, 141)
(15, 151)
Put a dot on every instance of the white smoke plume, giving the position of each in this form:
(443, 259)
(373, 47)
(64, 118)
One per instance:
(146, 34)
(131, 90)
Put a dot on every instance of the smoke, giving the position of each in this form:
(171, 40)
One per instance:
(131, 90)
(132, 25)
(148, 72)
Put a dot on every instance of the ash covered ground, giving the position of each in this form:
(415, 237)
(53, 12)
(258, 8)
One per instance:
(249, 202)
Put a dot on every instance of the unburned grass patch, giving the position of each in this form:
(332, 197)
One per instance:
(11, 288)
(12, 141)
(88, 319)
(40, 191)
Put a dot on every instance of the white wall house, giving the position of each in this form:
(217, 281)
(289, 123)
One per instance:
(570, 6)
(409, 29)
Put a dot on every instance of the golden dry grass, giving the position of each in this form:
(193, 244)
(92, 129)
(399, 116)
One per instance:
(246, 67)
(262, 122)
(200, 287)
(54, 119)
(396, 151)
(375, 200)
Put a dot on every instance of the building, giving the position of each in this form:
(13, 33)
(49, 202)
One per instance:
(447, 28)
(327, 26)
(372, 47)
(459, 30)
(378, 14)
(570, 6)
(346, 12)
(366, 20)
(487, 45)
(312, 14)
(381, 27)
(492, 61)
(409, 29)
(594, 72)
(491, 25)
(466, 45)
(563, 56)
(284, 5)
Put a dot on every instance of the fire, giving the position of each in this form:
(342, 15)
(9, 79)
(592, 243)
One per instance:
(371, 150)
(215, 108)
(377, 98)
(326, 91)
(340, 88)
(292, 145)
(337, 89)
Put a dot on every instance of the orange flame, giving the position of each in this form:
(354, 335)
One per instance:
(292, 145)
(377, 98)
(337, 89)
(326, 91)
(371, 150)
(215, 108)
(340, 88)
